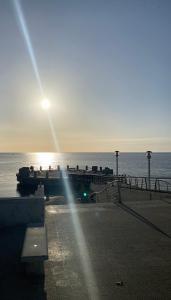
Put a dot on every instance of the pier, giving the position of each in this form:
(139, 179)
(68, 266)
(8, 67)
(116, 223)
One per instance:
(30, 176)
(82, 180)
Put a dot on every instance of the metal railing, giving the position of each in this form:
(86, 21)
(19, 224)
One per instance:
(141, 183)
(110, 193)
(162, 185)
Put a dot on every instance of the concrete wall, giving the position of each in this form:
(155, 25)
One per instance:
(15, 211)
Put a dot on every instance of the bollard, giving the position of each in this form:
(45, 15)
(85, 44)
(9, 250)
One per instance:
(31, 169)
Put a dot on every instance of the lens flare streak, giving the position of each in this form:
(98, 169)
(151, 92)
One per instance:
(84, 255)
(27, 39)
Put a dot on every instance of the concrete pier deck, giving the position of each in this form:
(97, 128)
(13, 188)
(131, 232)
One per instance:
(128, 246)
(100, 251)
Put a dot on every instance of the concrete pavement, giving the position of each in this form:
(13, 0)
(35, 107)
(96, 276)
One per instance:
(127, 249)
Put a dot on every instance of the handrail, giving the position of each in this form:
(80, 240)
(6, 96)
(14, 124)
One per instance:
(157, 184)
(166, 183)
(110, 193)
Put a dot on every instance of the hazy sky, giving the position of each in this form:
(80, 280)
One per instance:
(104, 65)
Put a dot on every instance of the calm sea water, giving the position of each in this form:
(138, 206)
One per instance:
(129, 163)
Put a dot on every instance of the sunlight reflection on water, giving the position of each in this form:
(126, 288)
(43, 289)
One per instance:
(44, 159)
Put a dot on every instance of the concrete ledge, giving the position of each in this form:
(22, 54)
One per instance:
(16, 211)
(35, 245)
(35, 251)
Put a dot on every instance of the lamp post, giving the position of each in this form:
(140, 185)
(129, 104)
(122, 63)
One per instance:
(148, 153)
(117, 157)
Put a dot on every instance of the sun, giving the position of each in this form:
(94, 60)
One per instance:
(45, 104)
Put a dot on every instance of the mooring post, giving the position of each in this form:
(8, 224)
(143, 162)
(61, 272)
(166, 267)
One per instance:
(117, 158)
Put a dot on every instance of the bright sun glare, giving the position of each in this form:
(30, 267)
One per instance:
(45, 159)
(45, 104)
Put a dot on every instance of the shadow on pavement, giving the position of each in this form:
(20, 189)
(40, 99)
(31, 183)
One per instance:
(141, 218)
(166, 201)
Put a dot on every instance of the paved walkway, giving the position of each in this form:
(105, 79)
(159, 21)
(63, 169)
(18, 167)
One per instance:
(109, 251)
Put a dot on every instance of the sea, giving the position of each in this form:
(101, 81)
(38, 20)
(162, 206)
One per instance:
(134, 164)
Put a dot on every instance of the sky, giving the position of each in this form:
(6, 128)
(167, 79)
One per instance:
(105, 66)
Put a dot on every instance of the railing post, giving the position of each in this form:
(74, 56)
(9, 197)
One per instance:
(119, 191)
(146, 183)
(130, 183)
(141, 183)
(155, 185)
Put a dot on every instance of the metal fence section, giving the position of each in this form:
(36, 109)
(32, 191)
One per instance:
(110, 193)
(141, 183)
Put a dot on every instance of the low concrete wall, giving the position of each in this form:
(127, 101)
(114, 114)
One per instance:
(15, 211)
